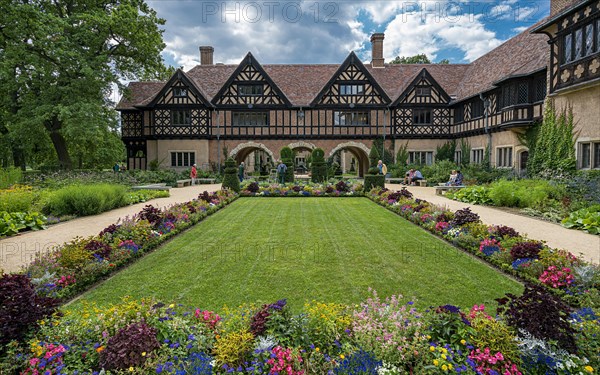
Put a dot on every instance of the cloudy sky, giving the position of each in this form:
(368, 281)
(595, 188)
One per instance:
(279, 32)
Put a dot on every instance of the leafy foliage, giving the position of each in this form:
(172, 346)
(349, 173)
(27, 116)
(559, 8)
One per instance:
(129, 347)
(446, 151)
(464, 216)
(231, 179)
(83, 200)
(554, 144)
(14, 222)
(9, 177)
(416, 59)
(540, 313)
(317, 165)
(287, 157)
(587, 219)
(20, 308)
(528, 249)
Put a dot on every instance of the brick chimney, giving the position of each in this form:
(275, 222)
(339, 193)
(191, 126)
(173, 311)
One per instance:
(377, 50)
(206, 55)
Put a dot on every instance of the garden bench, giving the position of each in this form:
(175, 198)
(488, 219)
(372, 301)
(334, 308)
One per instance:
(182, 183)
(439, 190)
(422, 183)
(206, 180)
(161, 186)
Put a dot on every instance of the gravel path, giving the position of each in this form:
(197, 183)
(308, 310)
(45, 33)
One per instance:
(19, 250)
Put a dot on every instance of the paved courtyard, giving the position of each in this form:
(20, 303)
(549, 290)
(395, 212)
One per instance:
(19, 250)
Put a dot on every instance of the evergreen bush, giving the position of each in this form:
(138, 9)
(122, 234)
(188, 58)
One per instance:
(84, 200)
(287, 156)
(317, 166)
(231, 180)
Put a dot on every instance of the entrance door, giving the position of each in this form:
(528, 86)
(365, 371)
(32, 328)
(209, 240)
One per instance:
(523, 163)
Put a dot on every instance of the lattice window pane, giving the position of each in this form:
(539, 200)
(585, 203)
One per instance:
(598, 35)
(523, 92)
(540, 89)
(173, 159)
(578, 43)
(589, 39)
(567, 48)
(585, 155)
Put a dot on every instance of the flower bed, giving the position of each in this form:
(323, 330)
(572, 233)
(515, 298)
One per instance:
(536, 333)
(266, 189)
(376, 337)
(564, 274)
(85, 261)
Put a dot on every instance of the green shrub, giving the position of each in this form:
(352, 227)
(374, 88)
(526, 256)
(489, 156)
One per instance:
(374, 180)
(19, 199)
(83, 200)
(287, 157)
(12, 223)
(9, 177)
(472, 194)
(503, 194)
(439, 171)
(317, 166)
(231, 179)
(138, 196)
(587, 219)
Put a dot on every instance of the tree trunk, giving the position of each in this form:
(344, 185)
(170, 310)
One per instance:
(60, 144)
(18, 157)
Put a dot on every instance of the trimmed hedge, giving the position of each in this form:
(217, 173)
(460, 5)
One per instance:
(231, 179)
(373, 181)
(317, 166)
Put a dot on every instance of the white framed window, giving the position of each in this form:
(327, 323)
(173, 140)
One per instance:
(350, 118)
(352, 89)
(423, 91)
(179, 92)
(477, 155)
(250, 119)
(420, 157)
(180, 117)
(183, 158)
(504, 157)
(588, 155)
(457, 156)
(250, 90)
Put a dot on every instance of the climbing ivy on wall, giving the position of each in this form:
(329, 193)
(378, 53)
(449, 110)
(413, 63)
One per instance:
(554, 150)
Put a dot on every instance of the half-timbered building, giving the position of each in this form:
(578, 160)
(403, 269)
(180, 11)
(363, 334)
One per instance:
(250, 111)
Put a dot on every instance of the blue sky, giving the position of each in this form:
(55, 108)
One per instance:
(284, 32)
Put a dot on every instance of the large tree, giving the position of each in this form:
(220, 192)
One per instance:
(416, 59)
(58, 62)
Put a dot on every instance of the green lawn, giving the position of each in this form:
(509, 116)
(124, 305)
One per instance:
(326, 249)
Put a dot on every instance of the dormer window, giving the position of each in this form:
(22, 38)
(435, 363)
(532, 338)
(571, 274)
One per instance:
(353, 89)
(179, 92)
(250, 90)
(423, 91)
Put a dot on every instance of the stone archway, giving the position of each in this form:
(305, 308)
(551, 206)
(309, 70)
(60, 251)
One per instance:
(243, 150)
(302, 145)
(359, 150)
(302, 150)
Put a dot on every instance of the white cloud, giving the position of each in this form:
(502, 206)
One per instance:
(409, 35)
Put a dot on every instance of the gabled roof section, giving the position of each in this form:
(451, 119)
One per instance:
(352, 71)
(193, 94)
(424, 79)
(138, 92)
(249, 71)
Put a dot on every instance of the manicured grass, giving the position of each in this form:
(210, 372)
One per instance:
(326, 249)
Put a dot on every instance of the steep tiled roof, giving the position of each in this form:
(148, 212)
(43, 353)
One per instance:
(138, 93)
(525, 53)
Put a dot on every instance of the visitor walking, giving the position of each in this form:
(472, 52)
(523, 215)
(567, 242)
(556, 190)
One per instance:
(281, 169)
(382, 167)
(194, 174)
(241, 171)
(116, 168)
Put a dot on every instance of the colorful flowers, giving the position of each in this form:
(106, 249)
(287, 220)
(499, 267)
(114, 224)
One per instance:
(489, 246)
(557, 277)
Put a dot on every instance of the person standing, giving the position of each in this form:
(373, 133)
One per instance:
(116, 167)
(382, 167)
(194, 174)
(241, 171)
(281, 169)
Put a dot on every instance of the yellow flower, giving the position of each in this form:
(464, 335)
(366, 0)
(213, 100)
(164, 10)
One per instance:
(432, 348)
(444, 350)
(99, 349)
(443, 356)
(589, 369)
(317, 349)
(450, 366)
(342, 356)
(428, 337)
(143, 354)
(171, 305)
(444, 367)
(131, 369)
(463, 342)
(436, 362)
